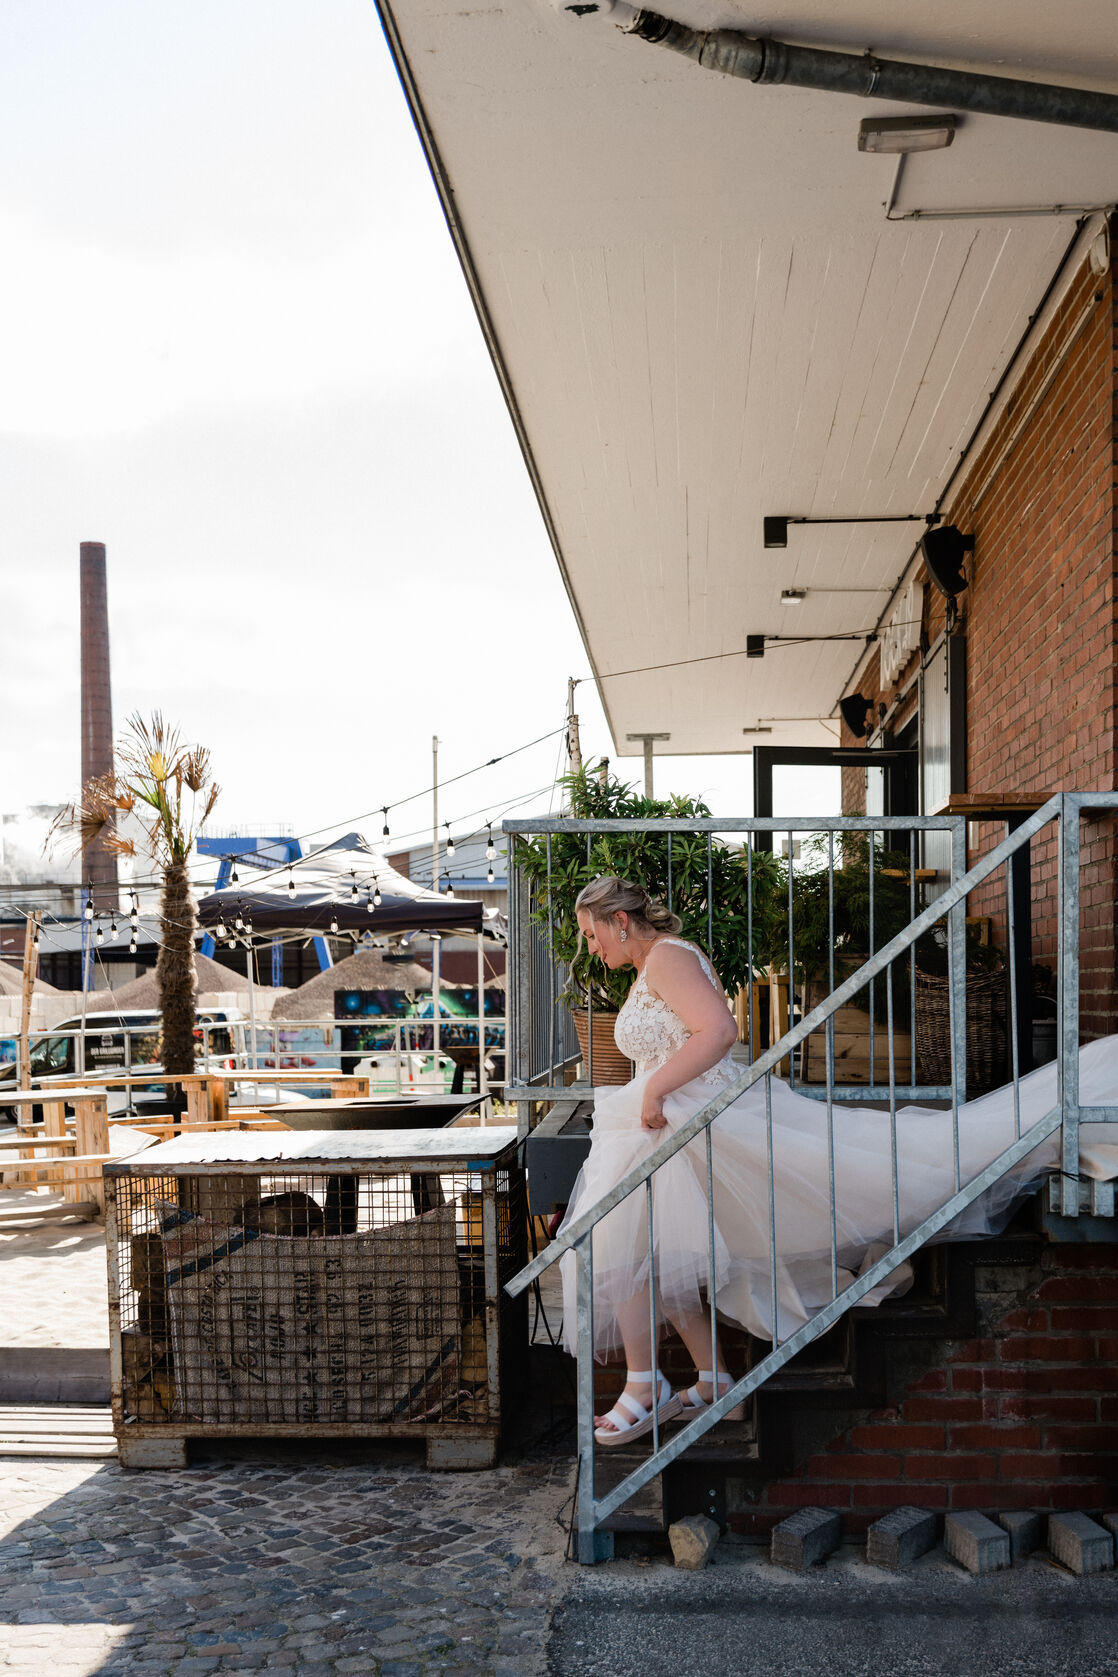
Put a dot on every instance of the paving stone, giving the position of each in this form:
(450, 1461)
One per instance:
(692, 1540)
(806, 1537)
(900, 1537)
(1080, 1543)
(976, 1542)
(1026, 1533)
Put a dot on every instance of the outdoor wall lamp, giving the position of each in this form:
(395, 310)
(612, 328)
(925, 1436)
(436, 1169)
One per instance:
(775, 529)
(942, 551)
(856, 711)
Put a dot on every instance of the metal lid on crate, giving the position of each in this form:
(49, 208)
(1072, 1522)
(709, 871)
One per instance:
(462, 1149)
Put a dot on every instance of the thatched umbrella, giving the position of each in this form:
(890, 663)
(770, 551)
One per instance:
(209, 976)
(11, 982)
(365, 969)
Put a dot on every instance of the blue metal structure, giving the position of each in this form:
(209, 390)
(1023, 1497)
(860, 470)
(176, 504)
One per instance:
(263, 852)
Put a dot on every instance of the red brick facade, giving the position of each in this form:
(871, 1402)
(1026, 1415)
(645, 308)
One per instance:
(1040, 616)
(1025, 1416)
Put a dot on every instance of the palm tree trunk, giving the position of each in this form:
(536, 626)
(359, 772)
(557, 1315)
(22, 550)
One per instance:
(174, 970)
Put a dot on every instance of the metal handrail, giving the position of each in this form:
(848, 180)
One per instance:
(1065, 810)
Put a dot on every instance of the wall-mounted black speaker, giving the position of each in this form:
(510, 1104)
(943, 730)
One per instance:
(856, 710)
(942, 549)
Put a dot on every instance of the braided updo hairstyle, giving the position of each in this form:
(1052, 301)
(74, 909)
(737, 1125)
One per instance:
(607, 897)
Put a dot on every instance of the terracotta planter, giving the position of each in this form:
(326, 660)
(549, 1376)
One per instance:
(610, 1064)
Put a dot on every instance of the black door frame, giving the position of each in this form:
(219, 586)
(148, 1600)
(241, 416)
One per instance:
(767, 757)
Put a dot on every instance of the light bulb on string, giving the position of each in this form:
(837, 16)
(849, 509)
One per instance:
(353, 894)
(248, 925)
(234, 877)
(220, 928)
(370, 904)
(134, 921)
(334, 925)
(449, 840)
(114, 930)
(87, 911)
(384, 830)
(450, 888)
(239, 922)
(489, 850)
(290, 883)
(489, 875)
(376, 893)
(100, 936)
(132, 947)
(135, 904)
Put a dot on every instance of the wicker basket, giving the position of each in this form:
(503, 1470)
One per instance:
(610, 1064)
(986, 1030)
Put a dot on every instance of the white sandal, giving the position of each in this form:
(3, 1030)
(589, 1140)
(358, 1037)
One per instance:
(635, 1420)
(692, 1401)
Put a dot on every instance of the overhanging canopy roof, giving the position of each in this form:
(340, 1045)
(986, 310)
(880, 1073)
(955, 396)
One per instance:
(324, 883)
(701, 313)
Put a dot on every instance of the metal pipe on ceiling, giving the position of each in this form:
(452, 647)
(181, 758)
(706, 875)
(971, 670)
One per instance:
(776, 63)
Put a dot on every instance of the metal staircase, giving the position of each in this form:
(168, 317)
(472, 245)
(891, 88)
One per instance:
(1064, 811)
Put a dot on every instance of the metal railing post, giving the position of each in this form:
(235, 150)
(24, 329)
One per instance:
(957, 969)
(1067, 1071)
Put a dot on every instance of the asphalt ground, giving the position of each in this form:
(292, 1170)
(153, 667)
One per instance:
(842, 1619)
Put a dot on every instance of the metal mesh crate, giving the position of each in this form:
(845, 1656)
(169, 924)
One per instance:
(317, 1284)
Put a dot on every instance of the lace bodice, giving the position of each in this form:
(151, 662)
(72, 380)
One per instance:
(649, 1032)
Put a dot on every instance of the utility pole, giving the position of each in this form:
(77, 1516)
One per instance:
(574, 748)
(30, 961)
(647, 740)
(436, 943)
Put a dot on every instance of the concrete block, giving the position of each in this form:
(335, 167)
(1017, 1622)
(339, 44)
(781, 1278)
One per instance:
(805, 1537)
(692, 1540)
(1080, 1543)
(1026, 1533)
(900, 1537)
(1110, 1521)
(976, 1542)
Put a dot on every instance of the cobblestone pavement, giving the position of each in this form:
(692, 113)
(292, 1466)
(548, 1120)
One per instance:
(306, 1565)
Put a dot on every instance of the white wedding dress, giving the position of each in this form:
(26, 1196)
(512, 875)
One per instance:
(650, 1033)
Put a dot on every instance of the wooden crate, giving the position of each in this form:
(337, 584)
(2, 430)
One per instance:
(852, 1051)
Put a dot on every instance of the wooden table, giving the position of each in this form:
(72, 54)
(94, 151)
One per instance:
(207, 1092)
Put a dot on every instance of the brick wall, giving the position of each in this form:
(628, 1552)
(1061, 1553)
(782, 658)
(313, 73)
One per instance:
(1040, 616)
(1023, 1416)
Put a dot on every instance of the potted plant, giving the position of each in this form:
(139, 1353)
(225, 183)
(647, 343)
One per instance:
(722, 923)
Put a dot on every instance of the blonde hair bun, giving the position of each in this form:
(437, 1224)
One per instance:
(607, 897)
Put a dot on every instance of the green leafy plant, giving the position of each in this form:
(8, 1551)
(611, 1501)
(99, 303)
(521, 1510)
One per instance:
(714, 914)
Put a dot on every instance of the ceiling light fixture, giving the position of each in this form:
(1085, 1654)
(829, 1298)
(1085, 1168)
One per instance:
(774, 528)
(893, 134)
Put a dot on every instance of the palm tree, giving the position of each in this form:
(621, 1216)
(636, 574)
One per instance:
(168, 789)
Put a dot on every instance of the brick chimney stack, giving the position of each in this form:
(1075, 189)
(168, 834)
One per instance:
(98, 863)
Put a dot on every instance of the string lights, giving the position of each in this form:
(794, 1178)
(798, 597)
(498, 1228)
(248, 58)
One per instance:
(384, 811)
(290, 884)
(114, 931)
(449, 841)
(87, 911)
(490, 852)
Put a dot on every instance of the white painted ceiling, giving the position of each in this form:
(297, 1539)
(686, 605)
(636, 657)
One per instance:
(702, 315)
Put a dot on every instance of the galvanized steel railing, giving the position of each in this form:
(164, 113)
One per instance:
(1064, 811)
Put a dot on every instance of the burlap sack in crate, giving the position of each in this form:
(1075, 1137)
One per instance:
(610, 1064)
(986, 1030)
(359, 1327)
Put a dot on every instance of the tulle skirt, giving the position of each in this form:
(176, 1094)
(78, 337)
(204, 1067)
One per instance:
(799, 1200)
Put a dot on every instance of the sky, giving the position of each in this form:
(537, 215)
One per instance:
(237, 348)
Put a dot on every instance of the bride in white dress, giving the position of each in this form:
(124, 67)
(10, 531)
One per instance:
(677, 1028)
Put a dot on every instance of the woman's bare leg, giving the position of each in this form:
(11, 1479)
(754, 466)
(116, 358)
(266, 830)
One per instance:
(636, 1336)
(694, 1330)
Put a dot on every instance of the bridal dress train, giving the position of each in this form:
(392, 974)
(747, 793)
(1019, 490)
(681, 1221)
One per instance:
(649, 1033)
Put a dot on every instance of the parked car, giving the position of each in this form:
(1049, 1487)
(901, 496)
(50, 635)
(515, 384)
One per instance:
(131, 1039)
